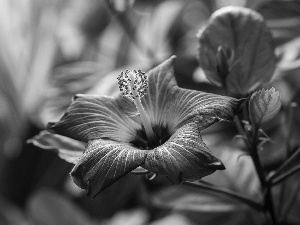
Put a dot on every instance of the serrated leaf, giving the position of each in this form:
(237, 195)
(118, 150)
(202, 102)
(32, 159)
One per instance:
(264, 105)
(247, 49)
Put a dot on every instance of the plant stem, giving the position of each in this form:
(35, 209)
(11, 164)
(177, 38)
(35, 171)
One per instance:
(252, 142)
(210, 187)
(268, 200)
(253, 152)
(130, 31)
(279, 175)
(289, 121)
(285, 175)
(257, 163)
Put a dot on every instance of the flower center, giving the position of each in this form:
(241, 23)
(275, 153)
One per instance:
(162, 134)
(134, 86)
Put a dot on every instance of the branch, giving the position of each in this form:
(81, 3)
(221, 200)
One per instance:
(285, 175)
(238, 196)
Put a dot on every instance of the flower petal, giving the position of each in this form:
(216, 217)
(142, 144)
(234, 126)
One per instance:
(68, 149)
(159, 97)
(103, 163)
(94, 117)
(184, 157)
(205, 108)
(172, 106)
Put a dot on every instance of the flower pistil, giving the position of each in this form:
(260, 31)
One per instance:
(134, 86)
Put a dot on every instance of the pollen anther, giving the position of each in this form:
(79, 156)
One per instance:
(134, 86)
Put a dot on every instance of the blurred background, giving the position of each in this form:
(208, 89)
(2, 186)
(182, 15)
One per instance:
(53, 49)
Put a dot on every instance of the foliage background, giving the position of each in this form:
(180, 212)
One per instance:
(51, 50)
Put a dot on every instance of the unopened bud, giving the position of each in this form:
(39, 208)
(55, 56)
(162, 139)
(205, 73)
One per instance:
(225, 58)
(264, 105)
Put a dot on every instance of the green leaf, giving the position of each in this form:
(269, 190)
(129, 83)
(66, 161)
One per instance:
(10, 214)
(47, 207)
(227, 192)
(286, 197)
(71, 79)
(120, 6)
(173, 218)
(235, 50)
(205, 206)
(68, 149)
(289, 167)
(240, 175)
(264, 105)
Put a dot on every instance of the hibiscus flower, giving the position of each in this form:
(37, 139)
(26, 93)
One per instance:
(154, 124)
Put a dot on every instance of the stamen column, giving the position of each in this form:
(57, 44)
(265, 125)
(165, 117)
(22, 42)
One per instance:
(134, 88)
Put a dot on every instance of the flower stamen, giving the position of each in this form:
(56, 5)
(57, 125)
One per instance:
(134, 86)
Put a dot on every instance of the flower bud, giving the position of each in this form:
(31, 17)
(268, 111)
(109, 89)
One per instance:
(224, 62)
(264, 105)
